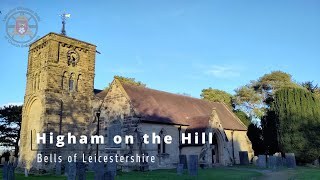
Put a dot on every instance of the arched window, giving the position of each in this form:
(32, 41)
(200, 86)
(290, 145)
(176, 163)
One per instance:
(34, 83)
(113, 130)
(38, 82)
(79, 81)
(162, 145)
(63, 80)
(71, 82)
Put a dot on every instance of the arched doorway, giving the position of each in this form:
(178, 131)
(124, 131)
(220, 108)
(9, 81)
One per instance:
(32, 125)
(217, 149)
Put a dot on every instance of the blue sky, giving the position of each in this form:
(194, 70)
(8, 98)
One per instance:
(178, 46)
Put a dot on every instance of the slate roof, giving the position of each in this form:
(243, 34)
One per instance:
(162, 107)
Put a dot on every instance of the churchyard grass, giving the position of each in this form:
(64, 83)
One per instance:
(307, 173)
(217, 173)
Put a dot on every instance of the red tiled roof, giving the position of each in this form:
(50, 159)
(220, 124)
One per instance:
(163, 107)
(159, 106)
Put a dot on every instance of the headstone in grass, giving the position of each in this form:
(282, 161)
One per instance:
(183, 160)
(58, 169)
(272, 162)
(112, 166)
(5, 171)
(279, 161)
(109, 175)
(91, 166)
(255, 160)
(66, 169)
(262, 161)
(180, 168)
(26, 172)
(99, 171)
(290, 160)
(244, 159)
(316, 163)
(193, 165)
(3, 160)
(72, 171)
(81, 171)
(11, 168)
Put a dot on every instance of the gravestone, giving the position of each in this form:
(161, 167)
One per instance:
(290, 160)
(112, 167)
(99, 172)
(180, 168)
(262, 161)
(11, 168)
(255, 160)
(5, 171)
(193, 165)
(3, 160)
(316, 163)
(26, 172)
(91, 166)
(58, 169)
(183, 160)
(72, 171)
(66, 169)
(244, 159)
(279, 161)
(108, 175)
(81, 171)
(12, 158)
(272, 162)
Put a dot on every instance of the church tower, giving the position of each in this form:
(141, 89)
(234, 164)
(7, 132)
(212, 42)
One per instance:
(59, 94)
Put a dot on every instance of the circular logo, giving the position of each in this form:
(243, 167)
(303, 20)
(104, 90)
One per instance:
(21, 26)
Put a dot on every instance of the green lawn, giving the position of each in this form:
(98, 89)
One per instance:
(217, 173)
(308, 174)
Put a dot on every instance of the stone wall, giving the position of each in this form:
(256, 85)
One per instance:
(241, 142)
(168, 159)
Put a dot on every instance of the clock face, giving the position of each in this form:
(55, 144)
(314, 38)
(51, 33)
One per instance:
(73, 57)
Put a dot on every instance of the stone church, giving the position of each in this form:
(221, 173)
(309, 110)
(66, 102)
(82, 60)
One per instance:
(60, 98)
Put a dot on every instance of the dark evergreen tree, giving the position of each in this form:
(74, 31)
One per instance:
(10, 123)
(292, 124)
(255, 135)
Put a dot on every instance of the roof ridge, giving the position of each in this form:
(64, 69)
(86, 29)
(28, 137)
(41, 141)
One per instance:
(190, 97)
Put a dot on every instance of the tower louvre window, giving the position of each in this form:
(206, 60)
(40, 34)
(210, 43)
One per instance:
(63, 81)
(70, 85)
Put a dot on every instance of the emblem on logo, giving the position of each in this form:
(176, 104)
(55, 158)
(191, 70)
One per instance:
(21, 26)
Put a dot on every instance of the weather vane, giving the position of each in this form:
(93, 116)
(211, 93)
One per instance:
(64, 17)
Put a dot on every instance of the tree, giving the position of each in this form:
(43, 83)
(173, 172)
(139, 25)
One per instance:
(215, 95)
(309, 86)
(269, 125)
(255, 97)
(312, 88)
(249, 101)
(270, 83)
(255, 135)
(10, 124)
(294, 119)
(130, 81)
(243, 117)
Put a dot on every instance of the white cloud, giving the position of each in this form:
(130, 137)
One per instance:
(223, 71)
